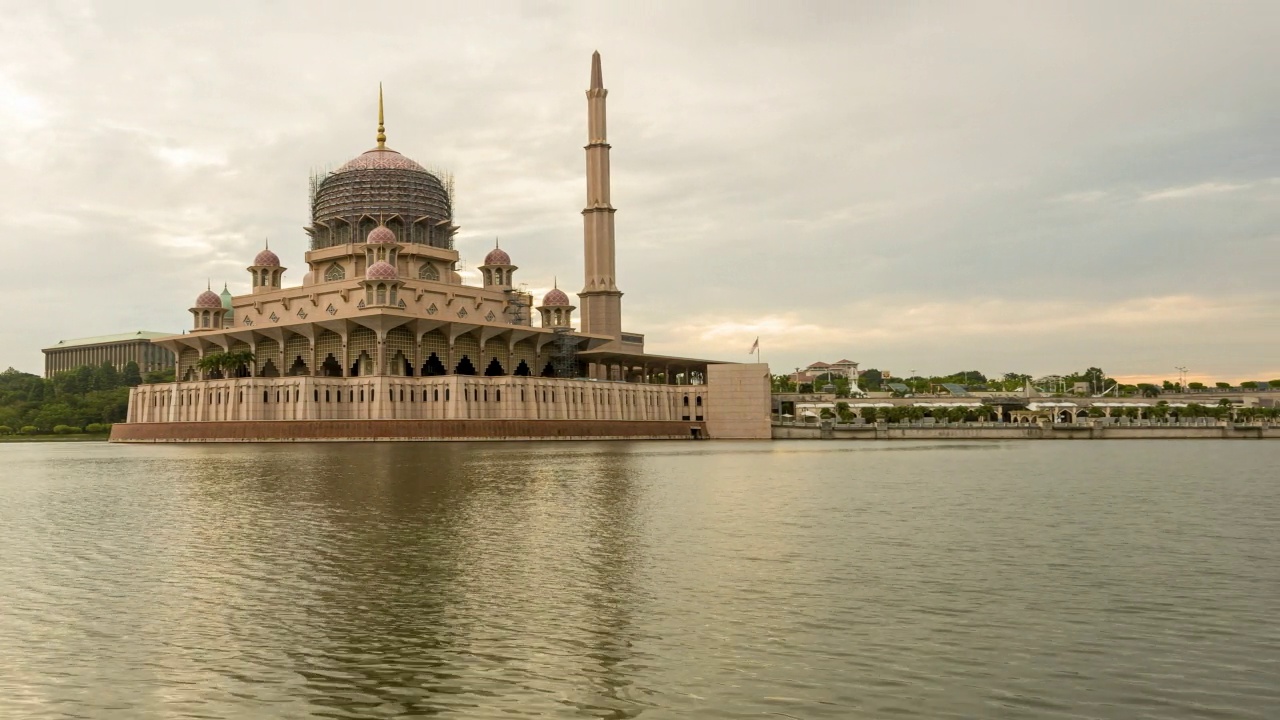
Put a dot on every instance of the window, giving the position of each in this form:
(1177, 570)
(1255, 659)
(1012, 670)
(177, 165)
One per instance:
(382, 294)
(428, 272)
(335, 272)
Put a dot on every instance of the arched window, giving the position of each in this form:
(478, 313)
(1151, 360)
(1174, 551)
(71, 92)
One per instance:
(262, 278)
(393, 295)
(382, 294)
(335, 272)
(428, 272)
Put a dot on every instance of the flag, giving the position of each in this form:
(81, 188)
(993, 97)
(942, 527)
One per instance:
(754, 346)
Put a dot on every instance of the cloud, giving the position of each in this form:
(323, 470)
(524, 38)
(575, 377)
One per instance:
(1199, 190)
(966, 188)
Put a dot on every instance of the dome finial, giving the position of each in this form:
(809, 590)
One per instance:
(495, 242)
(266, 242)
(555, 283)
(382, 130)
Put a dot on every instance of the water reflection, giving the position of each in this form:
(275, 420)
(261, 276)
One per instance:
(617, 580)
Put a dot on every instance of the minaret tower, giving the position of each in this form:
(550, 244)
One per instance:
(601, 299)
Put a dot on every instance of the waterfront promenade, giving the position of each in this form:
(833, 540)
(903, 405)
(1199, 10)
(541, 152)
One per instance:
(1084, 430)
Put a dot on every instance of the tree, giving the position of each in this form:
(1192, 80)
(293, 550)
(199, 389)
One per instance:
(1197, 386)
(164, 376)
(782, 384)
(842, 410)
(105, 377)
(131, 375)
(1149, 390)
(868, 413)
(871, 379)
(1222, 385)
(1249, 385)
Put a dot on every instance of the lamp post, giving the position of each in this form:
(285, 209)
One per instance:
(1182, 378)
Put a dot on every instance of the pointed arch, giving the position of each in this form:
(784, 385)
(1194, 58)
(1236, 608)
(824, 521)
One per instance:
(464, 367)
(494, 368)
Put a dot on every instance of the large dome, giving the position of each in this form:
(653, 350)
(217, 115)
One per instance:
(381, 185)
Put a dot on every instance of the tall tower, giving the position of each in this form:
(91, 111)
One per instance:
(601, 299)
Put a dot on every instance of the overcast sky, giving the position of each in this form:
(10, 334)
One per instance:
(931, 187)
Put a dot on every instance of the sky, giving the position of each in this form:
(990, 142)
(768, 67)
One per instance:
(1007, 187)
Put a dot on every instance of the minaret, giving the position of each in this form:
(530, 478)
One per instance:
(601, 299)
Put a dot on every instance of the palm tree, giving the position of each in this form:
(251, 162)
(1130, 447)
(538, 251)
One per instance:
(211, 366)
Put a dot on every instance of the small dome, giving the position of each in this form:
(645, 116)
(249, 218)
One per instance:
(497, 256)
(454, 277)
(381, 234)
(555, 297)
(209, 299)
(381, 271)
(266, 258)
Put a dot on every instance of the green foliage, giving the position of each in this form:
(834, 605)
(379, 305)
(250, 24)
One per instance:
(869, 413)
(65, 430)
(29, 430)
(782, 384)
(220, 365)
(1249, 385)
(73, 398)
(6, 430)
(97, 428)
(1222, 385)
(871, 379)
(158, 376)
(1196, 386)
(131, 375)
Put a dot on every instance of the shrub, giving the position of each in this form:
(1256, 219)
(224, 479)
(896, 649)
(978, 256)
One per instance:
(29, 430)
(65, 430)
(98, 428)
(6, 430)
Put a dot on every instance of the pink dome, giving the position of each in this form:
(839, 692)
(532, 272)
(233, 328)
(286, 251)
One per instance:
(555, 297)
(209, 299)
(381, 234)
(497, 256)
(455, 278)
(266, 258)
(383, 158)
(381, 271)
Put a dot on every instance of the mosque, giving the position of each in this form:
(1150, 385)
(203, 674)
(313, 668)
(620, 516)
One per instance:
(382, 340)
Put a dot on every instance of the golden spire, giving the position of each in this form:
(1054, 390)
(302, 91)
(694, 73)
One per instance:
(382, 131)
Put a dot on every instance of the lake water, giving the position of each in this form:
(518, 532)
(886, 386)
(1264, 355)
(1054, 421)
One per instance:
(1109, 579)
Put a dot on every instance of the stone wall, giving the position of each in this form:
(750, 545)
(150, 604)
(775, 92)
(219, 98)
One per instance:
(347, 430)
(738, 401)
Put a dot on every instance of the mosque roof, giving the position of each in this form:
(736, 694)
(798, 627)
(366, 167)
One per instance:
(208, 299)
(381, 270)
(380, 158)
(266, 258)
(381, 234)
(497, 256)
(555, 297)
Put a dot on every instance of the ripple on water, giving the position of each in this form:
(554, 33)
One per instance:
(616, 580)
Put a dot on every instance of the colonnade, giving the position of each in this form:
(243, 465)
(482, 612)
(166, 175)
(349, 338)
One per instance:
(425, 398)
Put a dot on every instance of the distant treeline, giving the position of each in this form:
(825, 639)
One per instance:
(85, 398)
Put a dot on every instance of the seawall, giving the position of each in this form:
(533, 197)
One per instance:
(410, 430)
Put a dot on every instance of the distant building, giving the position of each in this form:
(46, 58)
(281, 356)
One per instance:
(118, 350)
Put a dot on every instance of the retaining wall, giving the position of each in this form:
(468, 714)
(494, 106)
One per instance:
(348, 430)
